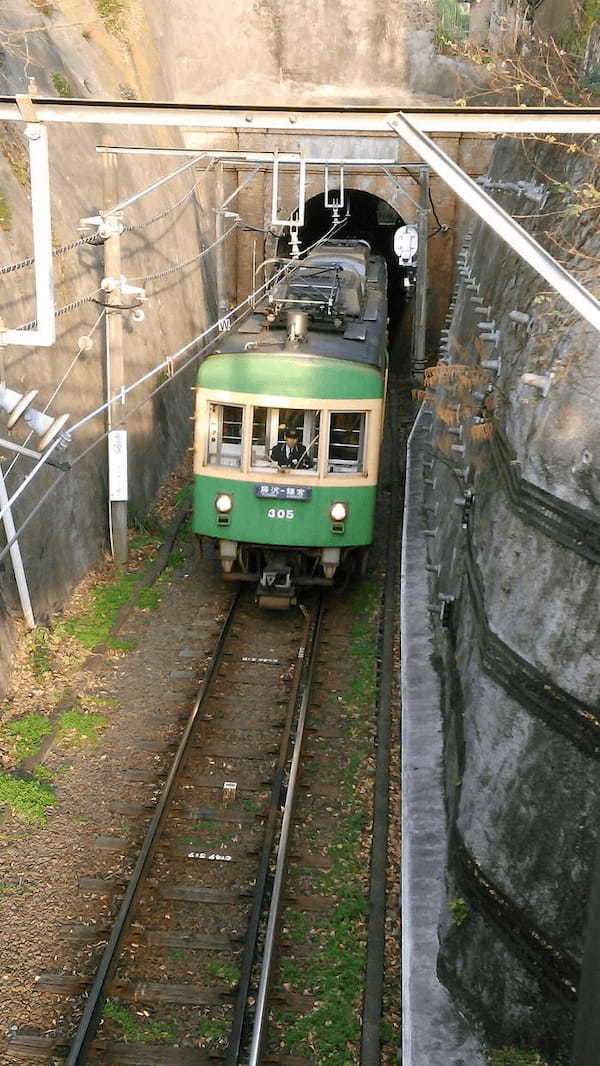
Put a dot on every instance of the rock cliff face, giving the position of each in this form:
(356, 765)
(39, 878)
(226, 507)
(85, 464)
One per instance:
(271, 52)
(516, 567)
(71, 51)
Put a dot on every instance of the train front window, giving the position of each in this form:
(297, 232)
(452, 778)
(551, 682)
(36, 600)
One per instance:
(225, 429)
(269, 448)
(346, 442)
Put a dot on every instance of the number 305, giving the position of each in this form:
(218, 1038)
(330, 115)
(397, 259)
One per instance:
(279, 512)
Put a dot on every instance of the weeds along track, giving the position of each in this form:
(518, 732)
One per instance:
(181, 956)
(252, 931)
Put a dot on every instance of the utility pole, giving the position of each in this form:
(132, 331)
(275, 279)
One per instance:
(222, 304)
(115, 370)
(420, 319)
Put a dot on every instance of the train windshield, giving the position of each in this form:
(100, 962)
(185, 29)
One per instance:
(286, 436)
(346, 442)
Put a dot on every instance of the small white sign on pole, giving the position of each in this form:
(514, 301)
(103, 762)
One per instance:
(117, 465)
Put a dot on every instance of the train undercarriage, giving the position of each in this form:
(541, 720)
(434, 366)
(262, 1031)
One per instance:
(279, 571)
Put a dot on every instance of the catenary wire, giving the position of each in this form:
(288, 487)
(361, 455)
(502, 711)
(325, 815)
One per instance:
(90, 332)
(194, 259)
(95, 240)
(91, 297)
(173, 207)
(242, 308)
(65, 310)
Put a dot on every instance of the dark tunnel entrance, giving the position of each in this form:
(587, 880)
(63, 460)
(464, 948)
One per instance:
(369, 218)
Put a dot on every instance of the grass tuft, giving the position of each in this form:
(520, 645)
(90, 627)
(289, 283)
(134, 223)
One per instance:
(41, 655)
(7, 889)
(93, 626)
(13, 149)
(226, 971)
(62, 84)
(516, 1057)
(26, 734)
(453, 25)
(78, 727)
(213, 1028)
(145, 1031)
(27, 800)
(113, 12)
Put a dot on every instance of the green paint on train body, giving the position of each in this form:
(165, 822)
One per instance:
(285, 523)
(291, 374)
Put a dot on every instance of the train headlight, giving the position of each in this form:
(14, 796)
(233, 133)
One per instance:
(223, 503)
(339, 512)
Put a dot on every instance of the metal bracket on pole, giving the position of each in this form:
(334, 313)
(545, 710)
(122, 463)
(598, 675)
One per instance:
(45, 333)
(29, 453)
(291, 222)
(335, 204)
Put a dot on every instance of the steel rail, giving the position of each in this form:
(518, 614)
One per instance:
(95, 1002)
(453, 120)
(262, 879)
(258, 1031)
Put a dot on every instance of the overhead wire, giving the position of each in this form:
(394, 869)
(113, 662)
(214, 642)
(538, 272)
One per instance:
(240, 310)
(441, 225)
(95, 240)
(62, 249)
(92, 297)
(73, 306)
(187, 262)
(173, 207)
(58, 388)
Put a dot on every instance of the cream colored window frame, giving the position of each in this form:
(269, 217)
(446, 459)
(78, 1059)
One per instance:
(366, 440)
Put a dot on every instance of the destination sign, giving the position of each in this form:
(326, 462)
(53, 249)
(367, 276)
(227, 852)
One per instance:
(283, 492)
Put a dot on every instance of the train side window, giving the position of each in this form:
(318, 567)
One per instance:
(225, 435)
(346, 442)
(260, 449)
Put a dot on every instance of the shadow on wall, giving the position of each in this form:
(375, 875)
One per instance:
(6, 638)
(432, 74)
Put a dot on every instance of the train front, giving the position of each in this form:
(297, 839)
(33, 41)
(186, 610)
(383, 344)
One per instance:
(288, 431)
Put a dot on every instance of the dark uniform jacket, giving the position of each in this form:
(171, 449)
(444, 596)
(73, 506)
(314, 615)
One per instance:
(296, 456)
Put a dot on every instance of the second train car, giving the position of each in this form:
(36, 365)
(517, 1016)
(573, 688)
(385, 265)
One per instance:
(288, 426)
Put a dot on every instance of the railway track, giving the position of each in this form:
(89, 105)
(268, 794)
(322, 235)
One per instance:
(201, 905)
(237, 885)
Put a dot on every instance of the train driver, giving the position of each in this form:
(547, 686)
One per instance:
(290, 452)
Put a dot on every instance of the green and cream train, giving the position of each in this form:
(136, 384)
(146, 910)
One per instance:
(310, 365)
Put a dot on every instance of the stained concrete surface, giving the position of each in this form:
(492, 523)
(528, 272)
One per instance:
(434, 1034)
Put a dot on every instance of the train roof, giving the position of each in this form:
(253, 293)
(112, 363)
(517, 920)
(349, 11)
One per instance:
(260, 373)
(341, 288)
